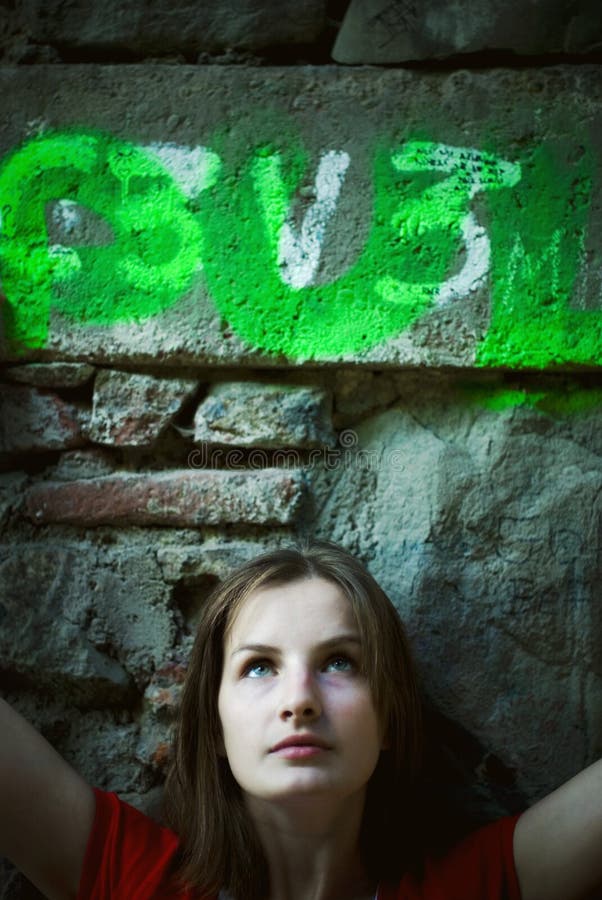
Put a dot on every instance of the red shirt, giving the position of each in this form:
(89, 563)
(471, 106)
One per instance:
(128, 857)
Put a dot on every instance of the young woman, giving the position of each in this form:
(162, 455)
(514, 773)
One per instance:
(295, 771)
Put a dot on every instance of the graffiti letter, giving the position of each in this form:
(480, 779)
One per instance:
(470, 171)
(148, 263)
(299, 255)
(535, 261)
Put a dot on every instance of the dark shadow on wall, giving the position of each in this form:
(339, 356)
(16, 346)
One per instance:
(465, 786)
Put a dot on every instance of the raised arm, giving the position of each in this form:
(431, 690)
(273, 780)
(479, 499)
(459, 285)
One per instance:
(46, 809)
(558, 842)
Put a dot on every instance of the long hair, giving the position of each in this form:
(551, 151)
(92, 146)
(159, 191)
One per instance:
(219, 848)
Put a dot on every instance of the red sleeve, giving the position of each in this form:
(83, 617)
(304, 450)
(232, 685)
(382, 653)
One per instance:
(128, 856)
(481, 867)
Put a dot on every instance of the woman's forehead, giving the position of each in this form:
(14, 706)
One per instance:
(301, 603)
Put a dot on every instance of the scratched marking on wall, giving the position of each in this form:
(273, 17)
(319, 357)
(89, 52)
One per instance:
(104, 231)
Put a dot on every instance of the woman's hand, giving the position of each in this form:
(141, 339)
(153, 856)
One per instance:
(46, 809)
(558, 842)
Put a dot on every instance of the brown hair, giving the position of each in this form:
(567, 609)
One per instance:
(219, 848)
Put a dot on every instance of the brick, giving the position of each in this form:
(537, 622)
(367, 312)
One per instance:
(51, 375)
(161, 702)
(377, 31)
(250, 414)
(132, 409)
(165, 688)
(176, 498)
(34, 421)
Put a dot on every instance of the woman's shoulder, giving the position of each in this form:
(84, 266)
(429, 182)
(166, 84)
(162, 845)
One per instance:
(129, 856)
(478, 867)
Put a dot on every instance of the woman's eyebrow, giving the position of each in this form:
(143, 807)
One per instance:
(323, 645)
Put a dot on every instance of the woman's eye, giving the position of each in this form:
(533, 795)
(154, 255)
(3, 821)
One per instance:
(257, 669)
(341, 664)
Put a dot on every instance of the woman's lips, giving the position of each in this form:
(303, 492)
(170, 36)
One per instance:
(300, 746)
(299, 751)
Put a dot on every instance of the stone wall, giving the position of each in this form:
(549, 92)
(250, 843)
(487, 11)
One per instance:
(249, 293)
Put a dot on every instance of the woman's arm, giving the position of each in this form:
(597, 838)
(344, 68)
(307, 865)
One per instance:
(46, 809)
(558, 842)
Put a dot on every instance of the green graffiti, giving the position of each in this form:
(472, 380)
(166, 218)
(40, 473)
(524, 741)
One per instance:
(421, 197)
(534, 270)
(557, 402)
(156, 218)
(154, 244)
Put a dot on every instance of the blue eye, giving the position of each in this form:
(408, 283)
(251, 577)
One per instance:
(342, 664)
(258, 669)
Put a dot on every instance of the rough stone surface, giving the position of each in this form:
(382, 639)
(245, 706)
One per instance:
(358, 393)
(395, 31)
(51, 375)
(161, 703)
(100, 744)
(11, 491)
(131, 410)
(176, 498)
(248, 414)
(480, 518)
(88, 621)
(90, 462)
(350, 241)
(34, 421)
(214, 557)
(181, 26)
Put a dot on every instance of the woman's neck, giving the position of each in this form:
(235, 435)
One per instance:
(312, 848)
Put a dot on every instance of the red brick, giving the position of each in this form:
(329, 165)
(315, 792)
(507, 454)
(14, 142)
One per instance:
(176, 498)
(165, 688)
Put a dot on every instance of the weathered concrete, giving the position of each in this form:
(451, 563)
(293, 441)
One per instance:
(346, 239)
(480, 518)
(180, 26)
(251, 414)
(359, 392)
(176, 498)
(131, 410)
(104, 615)
(100, 744)
(395, 31)
(35, 421)
(50, 375)
(11, 488)
(89, 462)
(213, 557)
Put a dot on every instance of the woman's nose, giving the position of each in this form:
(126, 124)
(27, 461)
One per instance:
(300, 697)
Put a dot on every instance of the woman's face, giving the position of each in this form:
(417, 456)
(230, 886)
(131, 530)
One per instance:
(292, 659)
